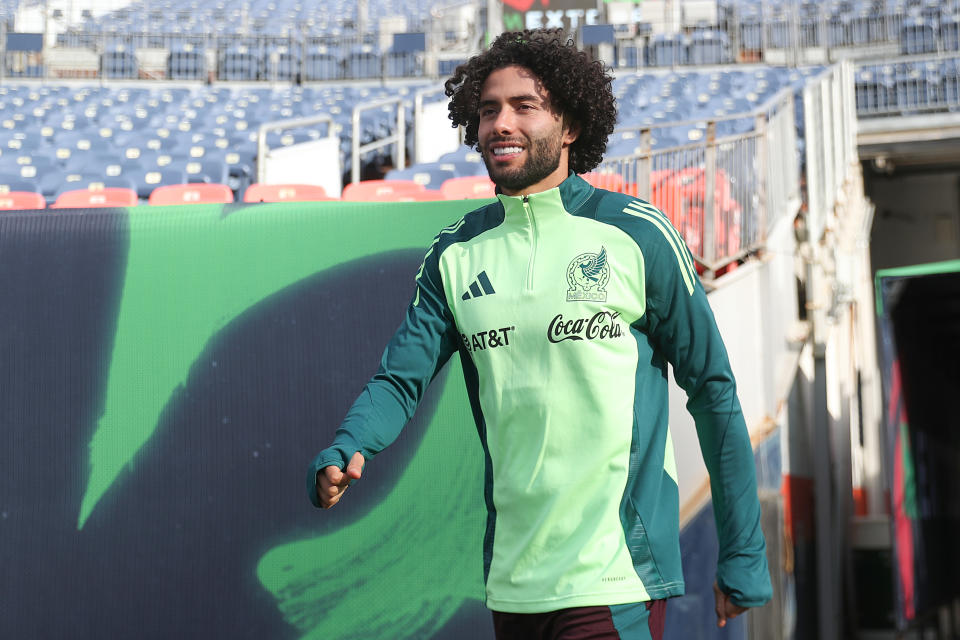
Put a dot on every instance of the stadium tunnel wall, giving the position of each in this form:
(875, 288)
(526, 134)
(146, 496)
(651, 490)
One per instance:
(169, 372)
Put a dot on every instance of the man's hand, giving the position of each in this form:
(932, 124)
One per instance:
(725, 608)
(332, 482)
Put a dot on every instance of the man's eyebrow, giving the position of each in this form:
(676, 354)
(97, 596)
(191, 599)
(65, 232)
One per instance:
(524, 97)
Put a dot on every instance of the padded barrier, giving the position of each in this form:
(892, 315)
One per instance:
(168, 373)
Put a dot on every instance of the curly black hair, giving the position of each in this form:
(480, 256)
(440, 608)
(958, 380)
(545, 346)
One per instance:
(579, 87)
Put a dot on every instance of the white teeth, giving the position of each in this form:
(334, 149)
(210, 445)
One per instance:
(500, 151)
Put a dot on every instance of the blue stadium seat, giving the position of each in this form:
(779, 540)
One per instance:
(950, 33)
(917, 36)
(362, 62)
(186, 62)
(322, 63)
(917, 86)
(429, 175)
(668, 50)
(90, 180)
(212, 170)
(118, 62)
(146, 180)
(708, 47)
(950, 70)
(240, 63)
(283, 63)
(751, 33)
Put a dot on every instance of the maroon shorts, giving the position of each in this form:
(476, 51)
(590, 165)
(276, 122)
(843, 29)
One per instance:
(636, 621)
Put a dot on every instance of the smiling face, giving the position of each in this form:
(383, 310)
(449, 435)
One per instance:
(522, 136)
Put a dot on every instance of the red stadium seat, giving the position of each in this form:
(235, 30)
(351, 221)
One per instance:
(258, 192)
(21, 200)
(382, 191)
(419, 196)
(87, 198)
(608, 181)
(467, 187)
(196, 193)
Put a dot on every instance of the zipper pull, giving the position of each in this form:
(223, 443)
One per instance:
(526, 199)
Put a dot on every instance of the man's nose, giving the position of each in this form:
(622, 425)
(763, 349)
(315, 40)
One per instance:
(505, 121)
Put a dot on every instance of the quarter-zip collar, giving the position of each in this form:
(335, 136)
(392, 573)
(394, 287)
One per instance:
(566, 198)
(527, 215)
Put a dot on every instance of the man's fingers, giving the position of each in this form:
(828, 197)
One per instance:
(332, 475)
(720, 599)
(332, 481)
(733, 610)
(355, 468)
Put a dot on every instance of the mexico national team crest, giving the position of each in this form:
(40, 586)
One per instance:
(587, 277)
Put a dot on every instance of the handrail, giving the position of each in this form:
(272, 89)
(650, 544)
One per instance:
(399, 137)
(278, 125)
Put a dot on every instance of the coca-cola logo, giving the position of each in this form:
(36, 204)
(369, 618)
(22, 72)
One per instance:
(601, 326)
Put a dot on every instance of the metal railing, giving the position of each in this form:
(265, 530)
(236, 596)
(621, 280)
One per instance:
(397, 137)
(908, 85)
(722, 193)
(290, 57)
(830, 123)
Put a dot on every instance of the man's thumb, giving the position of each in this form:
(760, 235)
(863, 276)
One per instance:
(355, 468)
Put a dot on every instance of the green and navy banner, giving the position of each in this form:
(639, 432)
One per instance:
(918, 317)
(166, 376)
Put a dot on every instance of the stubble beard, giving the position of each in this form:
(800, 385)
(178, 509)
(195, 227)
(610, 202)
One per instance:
(543, 158)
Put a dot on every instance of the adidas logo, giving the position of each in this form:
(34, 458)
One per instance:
(479, 287)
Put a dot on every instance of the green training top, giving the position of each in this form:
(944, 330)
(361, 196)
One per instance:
(566, 307)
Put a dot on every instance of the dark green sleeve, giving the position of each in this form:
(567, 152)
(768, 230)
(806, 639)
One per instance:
(682, 326)
(418, 350)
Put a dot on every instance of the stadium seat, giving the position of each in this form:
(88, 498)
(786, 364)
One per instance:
(213, 170)
(950, 33)
(148, 179)
(283, 63)
(362, 62)
(87, 198)
(322, 63)
(608, 181)
(240, 63)
(21, 200)
(380, 190)
(258, 192)
(186, 62)
(430, 175)
(419, 196)
(93, 182)
(917, 36)
(467, 187)
(667, 50)
(199, 193)
(118, 61)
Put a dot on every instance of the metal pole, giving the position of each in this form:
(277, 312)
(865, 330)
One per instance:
(764, 170)
(709, 243)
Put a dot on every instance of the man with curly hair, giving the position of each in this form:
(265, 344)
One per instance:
(566, 303)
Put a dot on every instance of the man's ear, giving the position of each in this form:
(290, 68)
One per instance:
(571, 131)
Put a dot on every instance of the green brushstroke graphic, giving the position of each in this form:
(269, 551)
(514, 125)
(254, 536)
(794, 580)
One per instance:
(191, 270)
(419, 549)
